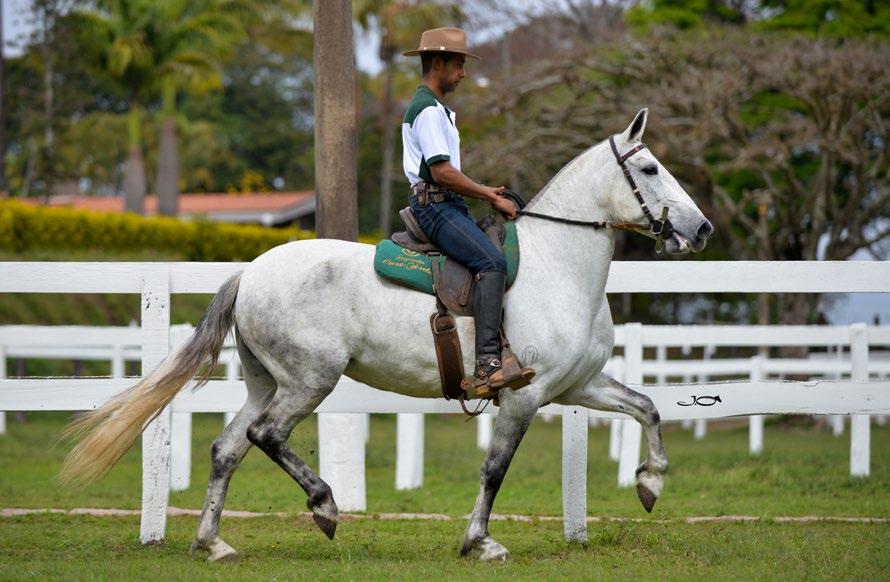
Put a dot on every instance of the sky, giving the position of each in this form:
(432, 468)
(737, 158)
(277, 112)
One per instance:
(14, 25)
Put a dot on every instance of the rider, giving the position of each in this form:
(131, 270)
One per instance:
(432, 164)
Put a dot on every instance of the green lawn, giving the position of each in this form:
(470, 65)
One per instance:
(272, 548)
(804, 471)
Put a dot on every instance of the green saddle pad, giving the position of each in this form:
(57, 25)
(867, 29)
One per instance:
(415, 269)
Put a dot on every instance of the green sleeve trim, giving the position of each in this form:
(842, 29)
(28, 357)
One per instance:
(437, 159)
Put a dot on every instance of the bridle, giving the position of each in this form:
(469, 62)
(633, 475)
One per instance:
(661, 228)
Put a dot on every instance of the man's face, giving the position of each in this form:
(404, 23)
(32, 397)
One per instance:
(451, 73)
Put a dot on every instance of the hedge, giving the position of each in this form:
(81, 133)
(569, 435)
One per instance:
(24, 227)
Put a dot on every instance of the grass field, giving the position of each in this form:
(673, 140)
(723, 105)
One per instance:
(804, 471)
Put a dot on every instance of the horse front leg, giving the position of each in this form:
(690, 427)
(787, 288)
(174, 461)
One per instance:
(516, 413)
(609, 395)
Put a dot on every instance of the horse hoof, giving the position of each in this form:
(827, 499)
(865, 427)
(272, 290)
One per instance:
(325, 522)
(488, 550)
(219, 550)
(647, 498)
(494, 552)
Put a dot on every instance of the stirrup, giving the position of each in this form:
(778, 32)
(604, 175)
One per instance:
(497, 374)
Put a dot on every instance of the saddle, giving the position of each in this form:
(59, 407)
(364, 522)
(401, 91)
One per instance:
(452, 282)
(410, 258)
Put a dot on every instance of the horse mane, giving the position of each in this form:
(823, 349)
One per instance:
(537, 197)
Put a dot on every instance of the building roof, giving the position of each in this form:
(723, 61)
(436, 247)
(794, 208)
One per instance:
(268, 208)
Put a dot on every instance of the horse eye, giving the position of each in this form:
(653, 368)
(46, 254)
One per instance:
(651, 170)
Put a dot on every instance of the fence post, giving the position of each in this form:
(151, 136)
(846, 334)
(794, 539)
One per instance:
(631, 431)
(755, 422)
(409, 450)
(837, 420)
(574, 473)
(615, 424)
(118, 362)
(181, 427)
(156, 436)
(700, 428)
(484, 424)
(341, 458)
(686, 350)
(2, 376)
(860, 427)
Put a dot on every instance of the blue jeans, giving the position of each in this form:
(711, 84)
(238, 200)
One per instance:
(449, 225)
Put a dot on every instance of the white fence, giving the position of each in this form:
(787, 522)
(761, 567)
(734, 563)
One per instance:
(118, 345)
(156, 281)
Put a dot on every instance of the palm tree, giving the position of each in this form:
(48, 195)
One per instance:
(194, 39)
(147, 45)
(400, 22)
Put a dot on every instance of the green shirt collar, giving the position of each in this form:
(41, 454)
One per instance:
(429, 91)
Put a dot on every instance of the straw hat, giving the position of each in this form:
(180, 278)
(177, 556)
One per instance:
(449, 40)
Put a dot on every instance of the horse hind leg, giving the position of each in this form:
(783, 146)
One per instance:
(297, 397)
(228, 451)
(607, 394)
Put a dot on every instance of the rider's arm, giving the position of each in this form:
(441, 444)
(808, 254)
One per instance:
(449, 177)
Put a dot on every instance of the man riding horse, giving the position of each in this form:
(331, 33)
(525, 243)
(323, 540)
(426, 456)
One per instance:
(431, 161)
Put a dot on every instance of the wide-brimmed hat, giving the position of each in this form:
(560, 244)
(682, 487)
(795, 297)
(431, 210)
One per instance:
(447, 40)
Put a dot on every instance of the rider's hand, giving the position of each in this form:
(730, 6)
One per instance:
(505, 206)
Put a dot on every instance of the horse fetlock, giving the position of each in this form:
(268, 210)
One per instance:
(217, 548)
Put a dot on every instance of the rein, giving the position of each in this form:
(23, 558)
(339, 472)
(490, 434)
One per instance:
(660, 229)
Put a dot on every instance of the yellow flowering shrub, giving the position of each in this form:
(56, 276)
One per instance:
(24, 227)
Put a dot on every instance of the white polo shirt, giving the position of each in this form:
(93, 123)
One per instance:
(429, 135)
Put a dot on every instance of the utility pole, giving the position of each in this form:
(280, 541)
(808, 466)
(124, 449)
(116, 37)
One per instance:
(336, 180)
(336, 216)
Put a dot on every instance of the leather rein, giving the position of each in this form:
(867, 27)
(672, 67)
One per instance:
(661, 228)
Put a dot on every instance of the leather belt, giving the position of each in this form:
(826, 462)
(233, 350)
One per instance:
(427, 193)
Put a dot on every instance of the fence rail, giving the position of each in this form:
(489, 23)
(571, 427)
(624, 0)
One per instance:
(156, 281)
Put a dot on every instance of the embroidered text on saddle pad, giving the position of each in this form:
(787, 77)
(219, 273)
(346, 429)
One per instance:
(415, 269)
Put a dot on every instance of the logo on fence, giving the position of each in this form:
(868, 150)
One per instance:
(702, 401)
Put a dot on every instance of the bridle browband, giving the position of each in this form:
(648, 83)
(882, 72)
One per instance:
(660, 229)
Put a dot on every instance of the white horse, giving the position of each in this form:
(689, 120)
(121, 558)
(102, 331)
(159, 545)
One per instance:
(309, 312)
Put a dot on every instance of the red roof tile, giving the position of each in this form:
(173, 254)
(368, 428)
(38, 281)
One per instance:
(193, 203)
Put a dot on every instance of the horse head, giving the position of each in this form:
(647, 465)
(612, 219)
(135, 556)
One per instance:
(640, 188)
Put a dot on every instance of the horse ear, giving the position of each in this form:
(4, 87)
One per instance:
(634, 132)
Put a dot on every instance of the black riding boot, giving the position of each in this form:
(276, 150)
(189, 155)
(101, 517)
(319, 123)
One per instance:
(492, 372)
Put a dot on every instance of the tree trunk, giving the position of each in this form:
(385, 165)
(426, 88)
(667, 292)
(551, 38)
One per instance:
(48, 154)
(335, 129)
(134, 171)
(2, 110)
(509, 120)
(388, 152)
(134, 182)
(167, 182)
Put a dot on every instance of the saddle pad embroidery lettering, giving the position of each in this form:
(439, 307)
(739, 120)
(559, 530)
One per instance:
(415, 269)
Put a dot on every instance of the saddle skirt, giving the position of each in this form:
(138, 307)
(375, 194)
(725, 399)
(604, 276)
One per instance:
(410, 259)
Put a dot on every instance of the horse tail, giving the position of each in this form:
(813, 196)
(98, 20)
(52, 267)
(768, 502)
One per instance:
(106, 433)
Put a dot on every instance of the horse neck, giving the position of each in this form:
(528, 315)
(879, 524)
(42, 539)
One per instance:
(577, 257)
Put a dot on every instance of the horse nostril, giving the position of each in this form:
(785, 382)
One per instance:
(705, 230)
